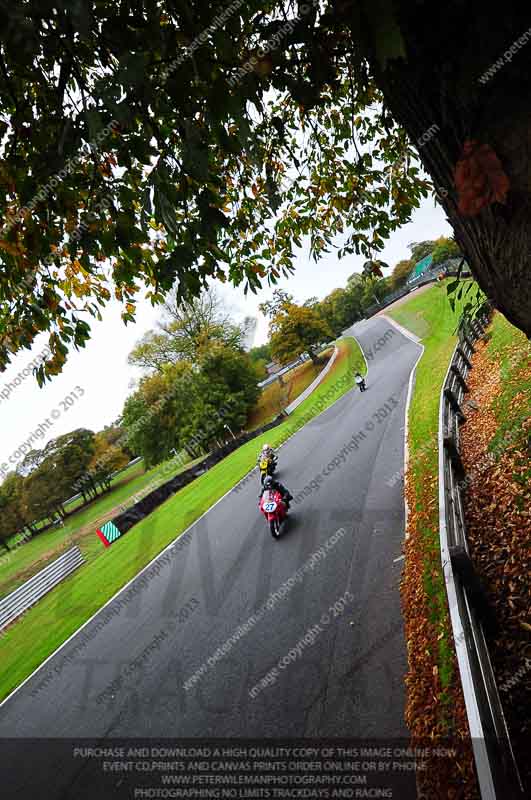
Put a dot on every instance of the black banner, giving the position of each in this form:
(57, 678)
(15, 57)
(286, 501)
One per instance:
(222, 769)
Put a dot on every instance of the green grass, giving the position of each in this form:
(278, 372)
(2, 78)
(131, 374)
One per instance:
(430, 317)
(28, 642)
(510, 349)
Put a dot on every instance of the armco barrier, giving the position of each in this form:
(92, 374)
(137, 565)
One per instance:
(470, 614)
(313, 385)
(25, 596)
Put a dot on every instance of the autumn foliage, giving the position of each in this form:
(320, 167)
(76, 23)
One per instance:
(479, 178)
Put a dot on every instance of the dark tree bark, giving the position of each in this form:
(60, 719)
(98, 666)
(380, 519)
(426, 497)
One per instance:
(443, 95)
(314, 357)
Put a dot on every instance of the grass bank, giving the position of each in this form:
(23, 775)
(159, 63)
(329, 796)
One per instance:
(57, 616)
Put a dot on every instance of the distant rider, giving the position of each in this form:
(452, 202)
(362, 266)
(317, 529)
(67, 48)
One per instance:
(360, 381)
(270, 484)
(268, 453)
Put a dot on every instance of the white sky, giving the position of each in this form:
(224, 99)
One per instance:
(101, 368)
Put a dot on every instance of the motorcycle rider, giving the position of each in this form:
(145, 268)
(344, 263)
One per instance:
(360, 380)
(270, 484)
(266, 452)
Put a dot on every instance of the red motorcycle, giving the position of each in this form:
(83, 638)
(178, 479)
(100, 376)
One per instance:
(274, 510)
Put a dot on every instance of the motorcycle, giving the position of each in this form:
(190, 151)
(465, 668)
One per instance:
(362, 386)
(267, 467)
(274, 510)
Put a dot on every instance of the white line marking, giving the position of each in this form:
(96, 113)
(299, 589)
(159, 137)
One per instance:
(404, 331)
(400, 558)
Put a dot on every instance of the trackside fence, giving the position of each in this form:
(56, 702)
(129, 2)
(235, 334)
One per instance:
(471, 616)
(25, 596)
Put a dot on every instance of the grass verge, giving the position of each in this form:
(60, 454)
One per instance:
(28, 642)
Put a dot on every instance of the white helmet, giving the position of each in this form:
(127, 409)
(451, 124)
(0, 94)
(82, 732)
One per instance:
(266, 447)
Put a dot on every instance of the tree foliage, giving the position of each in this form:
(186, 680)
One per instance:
(122, 147)
(54, 477)
(261, 352)
(12, 516)
(158, 410)
(420, 250)
(228, 380)
(401, 272)
(295, 330)
(445, 248)
(281, 298)
(76, 461)
(188, 329)
(185, 408)
(341, 308)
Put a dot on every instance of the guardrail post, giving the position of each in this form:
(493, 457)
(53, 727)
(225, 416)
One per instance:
(469, 344)
(463, 355)
(477, 328)
(463, 565)
(455, 457)
(455, 371)
(454, 404)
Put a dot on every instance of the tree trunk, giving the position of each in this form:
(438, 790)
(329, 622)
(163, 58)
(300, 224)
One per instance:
(93, 486)
(438, 97)
(314, 357)
(6, 546)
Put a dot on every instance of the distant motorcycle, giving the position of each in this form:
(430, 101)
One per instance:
(267, 467)
(361, 383)
(274, 510)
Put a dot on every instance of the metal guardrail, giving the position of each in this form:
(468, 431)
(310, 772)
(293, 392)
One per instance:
(427, 277)
(300, 360)
(25, 596)
(470, 614)
(274, 376)
(313, 385)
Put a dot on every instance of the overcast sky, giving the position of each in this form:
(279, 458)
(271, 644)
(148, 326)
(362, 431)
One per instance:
(101, 371)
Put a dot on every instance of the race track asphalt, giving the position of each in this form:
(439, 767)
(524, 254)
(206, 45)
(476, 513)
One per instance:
(345, 680)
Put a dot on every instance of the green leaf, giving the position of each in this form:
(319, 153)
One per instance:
(387, 36)
(452, 286)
